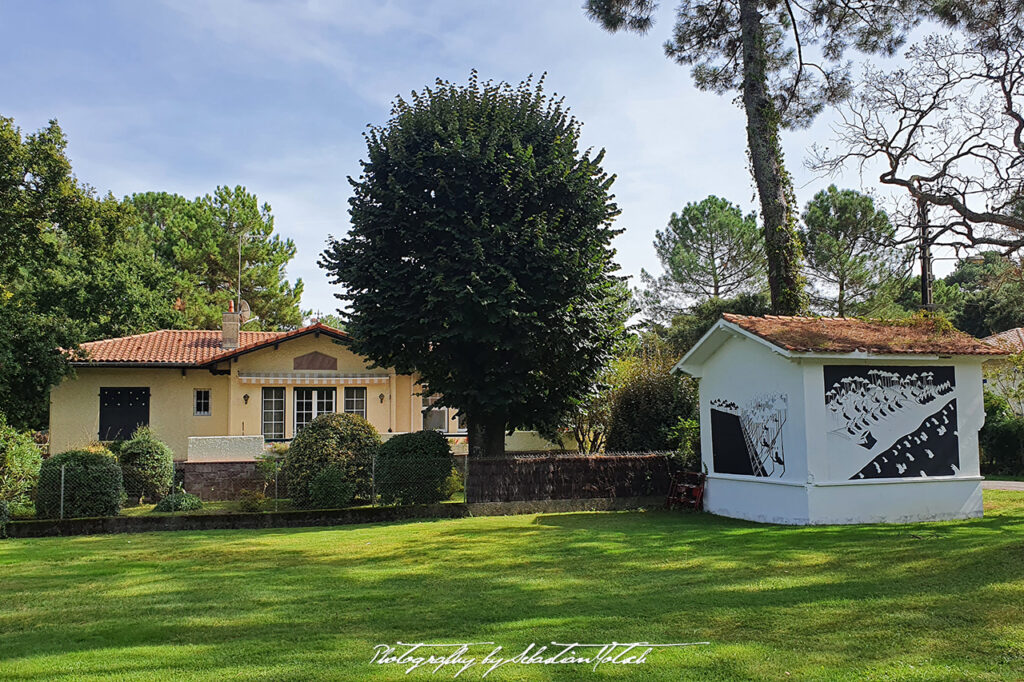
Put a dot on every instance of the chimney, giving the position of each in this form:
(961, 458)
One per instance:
(229, 332)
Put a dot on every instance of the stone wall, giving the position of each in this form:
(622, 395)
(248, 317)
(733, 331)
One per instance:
(223, 480)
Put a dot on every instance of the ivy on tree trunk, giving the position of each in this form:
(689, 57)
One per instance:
(774, 186)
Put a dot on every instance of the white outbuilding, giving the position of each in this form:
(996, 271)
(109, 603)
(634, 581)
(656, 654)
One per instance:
(835, 420)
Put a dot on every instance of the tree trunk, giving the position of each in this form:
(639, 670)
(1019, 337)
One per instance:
(842, 298)
(486, 433)
(774, 186)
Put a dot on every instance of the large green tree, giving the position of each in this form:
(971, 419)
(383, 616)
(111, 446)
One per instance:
(849, 246)
(73, 270)
(993, 294)
(709, 250)
(479, 254)
(761, 49)
(200, 241)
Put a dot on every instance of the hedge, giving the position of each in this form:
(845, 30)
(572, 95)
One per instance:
(93, 485)
(414, 468)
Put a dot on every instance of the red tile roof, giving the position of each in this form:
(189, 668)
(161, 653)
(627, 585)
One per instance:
(185, 347)
(1011, 340)
(848, 335)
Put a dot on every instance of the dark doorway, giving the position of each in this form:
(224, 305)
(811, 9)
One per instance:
(122, 410)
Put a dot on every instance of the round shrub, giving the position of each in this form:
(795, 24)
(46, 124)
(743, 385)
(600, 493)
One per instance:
(414, 468)
(20, 460)
(344, 439)
(93, 485)
(177, 501)
(147, 465)
(331, 488)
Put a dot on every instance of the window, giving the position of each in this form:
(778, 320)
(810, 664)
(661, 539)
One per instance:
(355, 401)
(122, 410)
(434, 418)
(273, 413)
(310, 402)
(462, 422)
(202, 402)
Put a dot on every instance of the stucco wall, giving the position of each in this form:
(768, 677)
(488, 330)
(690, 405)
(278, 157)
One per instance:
(245, 418)
(75, 405)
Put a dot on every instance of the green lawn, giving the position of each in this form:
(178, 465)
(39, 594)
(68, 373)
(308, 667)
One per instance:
(933, 601)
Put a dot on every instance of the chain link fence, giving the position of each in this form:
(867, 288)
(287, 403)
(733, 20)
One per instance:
(99, 486)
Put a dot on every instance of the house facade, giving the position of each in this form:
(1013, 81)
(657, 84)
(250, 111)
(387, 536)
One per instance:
(190, 383)
(821, 421)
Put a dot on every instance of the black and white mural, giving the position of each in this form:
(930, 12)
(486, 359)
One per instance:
(748, 440)
(892, 422)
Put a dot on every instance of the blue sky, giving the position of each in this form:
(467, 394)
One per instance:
(182, 96)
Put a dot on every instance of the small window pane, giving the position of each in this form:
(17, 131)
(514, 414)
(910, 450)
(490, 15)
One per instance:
(202, 402)
(355, 401)
(273, 412)
(325, 401)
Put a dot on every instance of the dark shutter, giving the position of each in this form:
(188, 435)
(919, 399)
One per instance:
(122, 410)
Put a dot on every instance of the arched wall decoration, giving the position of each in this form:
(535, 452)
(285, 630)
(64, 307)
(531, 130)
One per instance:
(315, 360)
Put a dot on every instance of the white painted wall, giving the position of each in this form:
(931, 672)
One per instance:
(740, 371)
(896, 500)
(816, 487)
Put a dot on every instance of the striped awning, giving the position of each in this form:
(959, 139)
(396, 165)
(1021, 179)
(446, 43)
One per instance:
(312, 378)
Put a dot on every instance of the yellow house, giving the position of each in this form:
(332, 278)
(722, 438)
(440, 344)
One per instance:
(226, 382)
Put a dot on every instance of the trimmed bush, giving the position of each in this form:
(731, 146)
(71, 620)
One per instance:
(20, 460)
(177, 501)
(646, 411)
(331, 488)
(251, 500)
(347, 440)
(93, 485)
(414, 468)
(147, 465)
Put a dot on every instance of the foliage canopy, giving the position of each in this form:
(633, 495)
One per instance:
(479, 255)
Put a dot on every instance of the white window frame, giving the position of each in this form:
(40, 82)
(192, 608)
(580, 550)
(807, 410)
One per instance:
(283, 412)
(354, 391)
(195, 402)
(317, 404)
